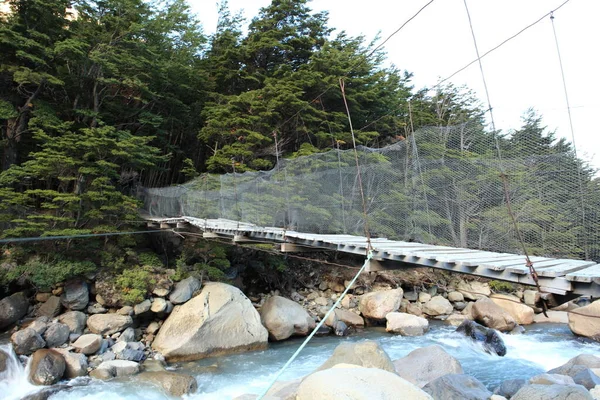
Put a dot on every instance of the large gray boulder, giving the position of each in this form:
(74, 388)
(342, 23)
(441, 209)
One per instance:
(577, 364)
(406, 324)
(509, 387)
(426, 364)
(457, 386)
(75, 363)
(364, 354)
(175, 384)
(76, 295)
(184, 290)
(220, 320)
(521, 313)
(488, 313)
(587, 378)
(26, 341)
(438, 305)
(376, 305)
(12, 309)
(88, 344)
(46, 367)
(284, 318)
(56, 334)
(51, 307)
(552, 392)
(345, 381)
(75, 320)
(585, 321)
(348, 317)
(107, 324)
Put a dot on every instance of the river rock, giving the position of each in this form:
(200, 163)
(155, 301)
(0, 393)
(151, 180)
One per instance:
(115, 368)
(75, 320)
(175, 384)
(554, 392)
(88, 344)
(406, 324)
(4, 360)
(456, 319)
(587, 378)
(51, 307)
(490, 339)
(474, 290)
(348, 317)
(126, 310)
(456, 297)
(531, 297)
(351, 382)
(159, 305)
(551, 379)
(509, 387)
(75, 363)
(76, 295)
(365, 354)
(96, 308)
(585, 321)
(555, 317)
(457, 386)
(577, 364)
(486, 312)
(522, 314)
(128, 335)
(56, 334)
(438, 305)
(12, 309)
(220, 320)
(424, 297)
(46, 367)
(131, 351)
(284, 318)
(152, 328)
(39, 325)
(142, 307)
(376, 305)
(426, 364)
(107, 324)
(184, 290)
(26, 341)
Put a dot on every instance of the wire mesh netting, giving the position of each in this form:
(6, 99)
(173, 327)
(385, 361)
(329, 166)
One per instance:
(441, 185)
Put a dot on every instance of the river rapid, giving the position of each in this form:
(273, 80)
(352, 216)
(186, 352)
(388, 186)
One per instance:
(542, 347)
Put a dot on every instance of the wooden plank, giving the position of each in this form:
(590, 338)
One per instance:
(523, 269)
(589, 274)
(502, 265)
(439, 256)
(563, 269)
(480, 261)
(461, 258)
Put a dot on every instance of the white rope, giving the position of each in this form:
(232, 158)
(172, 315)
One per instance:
(293, 357)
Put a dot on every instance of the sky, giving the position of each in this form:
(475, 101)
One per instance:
(523, 73)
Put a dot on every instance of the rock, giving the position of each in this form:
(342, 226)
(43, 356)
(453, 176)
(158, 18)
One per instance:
(411, 295)
(522, 314)
(88, 344)
(12, 309)
(457, 386)
(39, 325)
(284, 390)
(323, 330)
(365, 354)
(126, 310)
(424, 297)
(96, 308)
(460, 305)
(128, 335)
(489, 338)
(577, 364)
(142, 307)
(159, 305)
(426, 364)
(76, 295)
(376, 305)
(555, 317)
(497, 397)
(56, 334)
(456, 319)
(51, 307)
(455, 296)
(151, 329)
(568, 306)
(131, 351)
(595, 392)
(406, 324)
(75, 363)
(284, 318)
(585, 321)
(486, 312)
(438, 305)
(336, 286)
(42, 297)
(160, 292)
(184, 290)
(587, 378)
(47, 392)
(551, 379)
(474, 290)
(531, 297)
(75, 320)
(115, 368)
(46, 367)
(349, 382)
(107, 324)
(553, 392)
(509, 387)
(414, 309)
(348, 317)
(517, 330)
(4, 360)
(220, 320)
(321, 301)
(175, 384)
(341, 329)
(26, 341)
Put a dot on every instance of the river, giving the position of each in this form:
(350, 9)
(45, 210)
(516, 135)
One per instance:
(542, 347)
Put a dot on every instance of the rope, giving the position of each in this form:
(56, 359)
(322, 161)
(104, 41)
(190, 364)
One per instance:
(85, 235)
(319, 325)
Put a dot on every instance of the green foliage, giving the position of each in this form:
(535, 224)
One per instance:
(149, 259)
(202, 260)
(44, 274)
(501, 286)
(135, 283)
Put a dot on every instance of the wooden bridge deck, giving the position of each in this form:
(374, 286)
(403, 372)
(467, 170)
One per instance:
(559, 276)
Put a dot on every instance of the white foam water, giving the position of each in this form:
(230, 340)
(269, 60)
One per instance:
(13, 380)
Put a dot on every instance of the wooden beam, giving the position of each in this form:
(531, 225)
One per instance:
(294, 248)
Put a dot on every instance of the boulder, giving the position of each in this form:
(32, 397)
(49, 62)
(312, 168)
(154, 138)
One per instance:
(12, 309)
(5, 359)
(51, 307)
(457, 386)
(365, 354)
(88, 344)
(456, 319)
(41, 297)
(56, 334)
(554, 392)
(96, 308)
(455, 296)
(128, 335)
(350, 382)
(46, 367)
(184, 290)
(159, 305)
(220, 320)
(406, 324)
(151, 329)
(131, 351)
(348, 317)
(75, 363)
(474, 290)
(284, 318)
(577, 364)
(509, 387)
(531, 297)
(487, 313)
(376, 305)
(142, 307)
(438, 305)
(175, 384)
(340, 328)
(126, 310)
(160, 292)
(489, 338)
(75, 320)
(551, 379)
(115, 368)
(39, 325)
(522, 314)
(585, 321)
(587, 378)
(414, 309)
(426, 364)
(555, 317)
(26, 341)
(76, 295)
(107, 324)
(424, 297)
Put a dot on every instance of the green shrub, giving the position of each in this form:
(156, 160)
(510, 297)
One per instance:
(150, 259)
(501, 286)
(44, 274)
(135, 283)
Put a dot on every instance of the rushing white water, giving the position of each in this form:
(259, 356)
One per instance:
(13, 380)
(542, 347)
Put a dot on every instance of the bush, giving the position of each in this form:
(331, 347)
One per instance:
(150, 259)
(44, 274)
(135, 283)
(501, 286)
